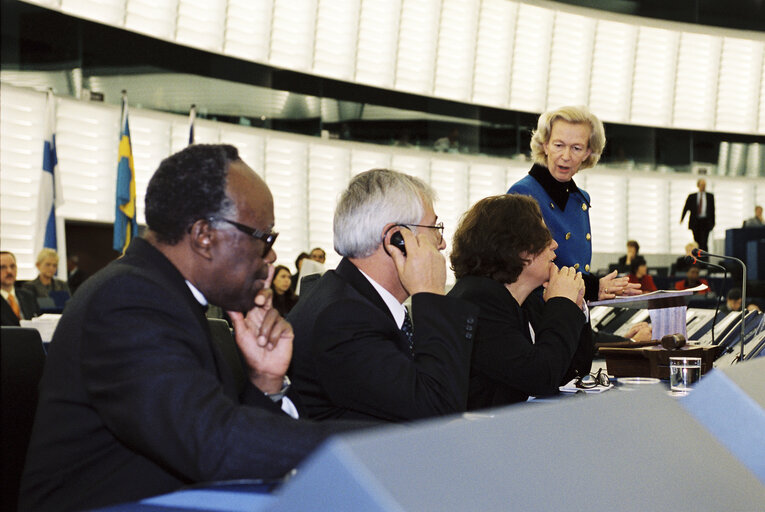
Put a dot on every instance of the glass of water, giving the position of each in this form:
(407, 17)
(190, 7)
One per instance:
(683, 372)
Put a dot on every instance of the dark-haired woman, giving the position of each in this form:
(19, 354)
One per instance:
(284, 299)
(639, 274)
(525, 344)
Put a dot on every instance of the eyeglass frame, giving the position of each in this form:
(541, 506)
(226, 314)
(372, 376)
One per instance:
(600, 378)
(439, 226)
(267, 238)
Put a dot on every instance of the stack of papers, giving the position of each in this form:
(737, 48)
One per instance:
(45, 324)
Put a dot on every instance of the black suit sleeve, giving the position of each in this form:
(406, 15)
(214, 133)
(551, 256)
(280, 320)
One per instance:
(591, 287)
(687, 208)
(711, 210)
(157, 390)
(506, 354)
(362, 361)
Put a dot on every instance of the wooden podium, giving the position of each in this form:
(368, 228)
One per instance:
(667, 309)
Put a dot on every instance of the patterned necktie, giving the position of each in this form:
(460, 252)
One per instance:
(701, 200)
(408, 330)
(14, 305)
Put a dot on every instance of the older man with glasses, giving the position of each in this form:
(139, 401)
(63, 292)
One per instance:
(358, 352)
(137, 399)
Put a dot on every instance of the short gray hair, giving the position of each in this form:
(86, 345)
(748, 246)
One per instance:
(373, 199)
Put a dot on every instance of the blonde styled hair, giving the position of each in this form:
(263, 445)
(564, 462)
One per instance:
(45, 254)
(572, 114)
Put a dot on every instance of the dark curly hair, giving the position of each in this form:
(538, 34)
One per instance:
(188, 186)
(492, 235)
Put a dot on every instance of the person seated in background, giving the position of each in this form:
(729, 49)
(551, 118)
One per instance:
(732, 300)
(526, 343)
(74, 275)
(283, 298)
(137, 399)
(358, 353)
(692, 280)
(633, 248)
(17, 304)
(318, 255)
(448, 144)
(639, 274)
(756, 221)
(298, 265)
(44, 283)
(682, 264)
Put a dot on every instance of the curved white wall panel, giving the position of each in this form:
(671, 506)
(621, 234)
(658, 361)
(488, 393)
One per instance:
(568, 80)
(653, 86)
(531, 58)
(698, 62)
(456, 50)
(613, 62)
(494, 52)
(525, 55)
(306, 174)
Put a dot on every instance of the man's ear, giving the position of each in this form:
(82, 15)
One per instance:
(202, 238)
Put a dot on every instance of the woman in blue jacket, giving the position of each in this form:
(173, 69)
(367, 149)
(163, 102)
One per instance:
(566, 140)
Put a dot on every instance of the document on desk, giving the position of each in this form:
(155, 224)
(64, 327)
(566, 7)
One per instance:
(570, 387)
(45, 324)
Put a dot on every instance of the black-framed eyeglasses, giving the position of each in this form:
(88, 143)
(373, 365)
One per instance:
(592, 380)
(439, 227)
(266, 238)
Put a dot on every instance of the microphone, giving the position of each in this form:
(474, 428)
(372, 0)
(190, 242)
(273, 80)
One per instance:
(698, 253)
(691, 260)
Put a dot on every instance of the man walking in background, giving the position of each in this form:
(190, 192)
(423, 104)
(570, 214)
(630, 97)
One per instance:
(701, 206)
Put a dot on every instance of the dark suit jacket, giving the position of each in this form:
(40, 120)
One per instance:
(136, 399)
(75, 279)
(351, 359)
(691, 205)
(36, 287)
(27, 304)
(507, 367)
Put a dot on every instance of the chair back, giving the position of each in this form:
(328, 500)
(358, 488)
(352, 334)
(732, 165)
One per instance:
(22, 358)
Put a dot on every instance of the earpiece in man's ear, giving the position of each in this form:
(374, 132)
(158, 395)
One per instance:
(396, 239)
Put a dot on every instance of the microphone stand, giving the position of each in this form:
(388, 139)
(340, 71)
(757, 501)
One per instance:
(698, 253)
(693, 261)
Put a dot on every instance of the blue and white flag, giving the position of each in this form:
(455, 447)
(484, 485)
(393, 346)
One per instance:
(50, 195)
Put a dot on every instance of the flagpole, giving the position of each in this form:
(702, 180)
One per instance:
(192, 118)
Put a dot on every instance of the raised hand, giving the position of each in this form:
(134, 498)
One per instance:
(611, 286)
(565, 282)
(423, 269)
(265, 339)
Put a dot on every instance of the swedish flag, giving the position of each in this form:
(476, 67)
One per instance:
(125, 224)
